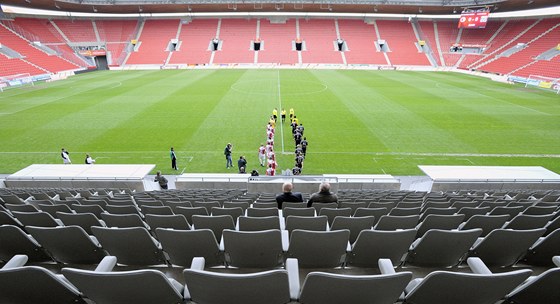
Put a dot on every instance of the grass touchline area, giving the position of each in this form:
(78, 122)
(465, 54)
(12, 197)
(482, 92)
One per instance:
(355, 121)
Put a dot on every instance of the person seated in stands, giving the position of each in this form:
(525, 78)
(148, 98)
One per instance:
(89, 160)
(323, 196)
(288, 196)
(242, 164)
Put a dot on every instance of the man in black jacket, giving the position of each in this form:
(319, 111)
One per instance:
(288, 195)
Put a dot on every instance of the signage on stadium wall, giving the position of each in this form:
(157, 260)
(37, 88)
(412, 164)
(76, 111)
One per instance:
(93, 53)
(474, 18)
(474, 46)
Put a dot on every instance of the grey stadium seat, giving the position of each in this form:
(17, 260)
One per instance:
(136, 286)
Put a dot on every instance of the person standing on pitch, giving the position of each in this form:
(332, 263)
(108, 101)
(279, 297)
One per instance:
(283, 114)
(173, 159)
(65, 157)
(275, 114)
(262, 155)
(227, 153)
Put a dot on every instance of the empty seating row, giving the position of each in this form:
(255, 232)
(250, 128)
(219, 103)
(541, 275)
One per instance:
(277, 286)
(268, 248)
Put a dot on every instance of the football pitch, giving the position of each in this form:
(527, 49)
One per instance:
(366, 122)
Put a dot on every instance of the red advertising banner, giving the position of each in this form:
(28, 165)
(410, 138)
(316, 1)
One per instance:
(93, 53)
(473, 19)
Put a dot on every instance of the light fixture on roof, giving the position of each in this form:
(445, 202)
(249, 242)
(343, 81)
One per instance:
(28, 1)
(420, 10)
(530, 2)
(94, 10)
(140, 9)
(56, 5)
(375, 8)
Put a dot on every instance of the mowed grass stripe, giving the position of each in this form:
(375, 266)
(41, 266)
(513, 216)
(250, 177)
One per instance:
(451, 113)
(334, 118)
(155, 116)
(389, 108)
(486, 117)
(56, 122)
(239, 116)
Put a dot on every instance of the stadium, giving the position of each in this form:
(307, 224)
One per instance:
(149, 150)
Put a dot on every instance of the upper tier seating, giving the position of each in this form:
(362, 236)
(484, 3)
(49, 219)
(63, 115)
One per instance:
(319, 37)
(77, 30)
(360, 38)
(236, 36)
(195, 40)
(400, 37)
(154, 39)
(32, 54)
(276, 42)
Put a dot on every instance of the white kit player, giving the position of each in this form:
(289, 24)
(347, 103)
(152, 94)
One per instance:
(262, 155)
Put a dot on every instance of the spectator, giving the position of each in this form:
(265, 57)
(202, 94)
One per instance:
(89, 160)
(287, 195)
(323, 196)
(162, 181)
(242, 164)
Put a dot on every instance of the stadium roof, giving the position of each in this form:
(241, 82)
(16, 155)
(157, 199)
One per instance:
(341, 6)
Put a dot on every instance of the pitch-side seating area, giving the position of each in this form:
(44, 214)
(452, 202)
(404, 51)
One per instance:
(175, 42)
(230, 246)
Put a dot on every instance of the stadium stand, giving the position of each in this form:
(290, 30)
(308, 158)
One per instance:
(277, 39)
(428, 31)
(319, 37)
(360, 38)
(236, 36)
(401, 39)
(154, 40)
(447, 33)
(195, 40)
(480, 37)
(117, 34)
(539, 38)
(424, 252)
(33, 55)
(76, 30)
(14, 66)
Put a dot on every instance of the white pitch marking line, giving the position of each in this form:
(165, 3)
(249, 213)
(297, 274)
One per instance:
(116, 86)
(447, 155)
(467, 160)
(280, 109)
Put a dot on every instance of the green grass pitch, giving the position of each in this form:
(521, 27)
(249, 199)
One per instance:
(367, 122)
